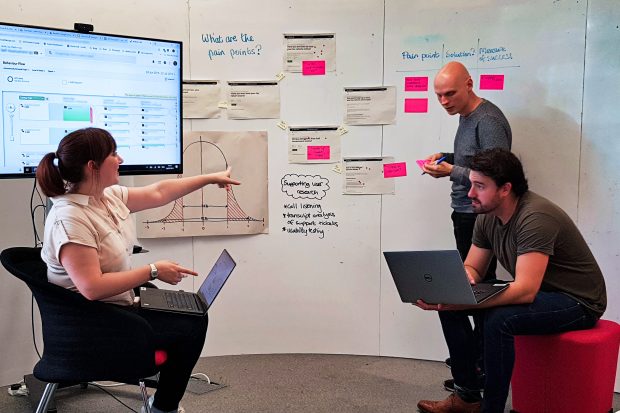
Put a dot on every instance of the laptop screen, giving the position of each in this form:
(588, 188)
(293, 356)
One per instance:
(217, 278)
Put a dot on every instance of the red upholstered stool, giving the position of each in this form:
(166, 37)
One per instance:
(568, 372)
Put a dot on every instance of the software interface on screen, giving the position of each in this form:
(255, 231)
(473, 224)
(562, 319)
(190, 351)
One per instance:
(53, 82)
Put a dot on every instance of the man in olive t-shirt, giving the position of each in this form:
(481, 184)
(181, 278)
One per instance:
(558, 286)
(540, 225)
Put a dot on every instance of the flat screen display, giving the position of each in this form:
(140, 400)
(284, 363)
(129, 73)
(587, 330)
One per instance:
(55, 81)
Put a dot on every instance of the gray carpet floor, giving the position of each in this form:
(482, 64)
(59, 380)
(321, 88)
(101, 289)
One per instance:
(287, 383)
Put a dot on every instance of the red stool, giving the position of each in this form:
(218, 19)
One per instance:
(568, 372)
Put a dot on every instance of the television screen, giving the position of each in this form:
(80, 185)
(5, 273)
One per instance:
(55, 81)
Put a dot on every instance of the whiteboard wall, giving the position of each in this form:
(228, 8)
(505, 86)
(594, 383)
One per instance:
(599, 179)
(297, 293)
(543, 114)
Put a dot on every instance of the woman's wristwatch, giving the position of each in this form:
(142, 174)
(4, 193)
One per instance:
(154, 272)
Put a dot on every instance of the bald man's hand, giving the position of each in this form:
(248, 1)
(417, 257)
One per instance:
(438, 171)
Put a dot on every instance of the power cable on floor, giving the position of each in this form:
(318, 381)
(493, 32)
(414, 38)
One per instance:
(113, 396)
(201, 376)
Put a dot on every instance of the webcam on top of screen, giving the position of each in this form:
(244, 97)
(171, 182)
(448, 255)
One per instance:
(83, 27)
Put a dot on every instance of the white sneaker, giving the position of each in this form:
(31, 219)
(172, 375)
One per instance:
(179, 409)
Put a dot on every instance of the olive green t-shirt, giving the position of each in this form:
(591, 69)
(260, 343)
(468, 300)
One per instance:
(538, 225)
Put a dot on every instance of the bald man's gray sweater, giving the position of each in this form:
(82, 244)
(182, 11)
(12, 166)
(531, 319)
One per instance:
(485, 128)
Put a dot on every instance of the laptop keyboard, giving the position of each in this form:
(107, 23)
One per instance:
(479, 291)
(183, 301)
(483, 290)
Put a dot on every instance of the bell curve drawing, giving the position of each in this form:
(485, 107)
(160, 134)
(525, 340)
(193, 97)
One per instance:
(211, 210)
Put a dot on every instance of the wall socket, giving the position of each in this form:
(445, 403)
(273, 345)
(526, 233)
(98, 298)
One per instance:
(18, 389)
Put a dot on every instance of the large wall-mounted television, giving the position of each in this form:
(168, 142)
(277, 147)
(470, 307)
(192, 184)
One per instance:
(54, 81)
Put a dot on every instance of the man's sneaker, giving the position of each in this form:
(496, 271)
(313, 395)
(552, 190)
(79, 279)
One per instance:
(449, 384)
(179, 409)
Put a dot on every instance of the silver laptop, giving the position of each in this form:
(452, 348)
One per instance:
(190, 303)
(436, 277)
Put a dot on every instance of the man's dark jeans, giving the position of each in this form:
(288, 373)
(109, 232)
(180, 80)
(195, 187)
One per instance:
(551, 312)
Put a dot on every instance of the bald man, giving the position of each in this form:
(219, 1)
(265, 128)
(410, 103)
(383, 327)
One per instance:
(482, 125)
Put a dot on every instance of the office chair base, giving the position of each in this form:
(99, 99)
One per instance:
(47, 398)
(36, 388)
(151, 382)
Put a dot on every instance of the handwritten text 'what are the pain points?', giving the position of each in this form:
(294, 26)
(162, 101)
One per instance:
(231, 45)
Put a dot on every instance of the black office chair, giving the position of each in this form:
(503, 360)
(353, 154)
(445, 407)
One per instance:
(83, 340)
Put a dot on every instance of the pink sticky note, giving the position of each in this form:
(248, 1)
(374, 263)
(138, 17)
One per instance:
(416, 105)
(416, 84)
(318, 152)
(421, 163)
(491, 82)
(313, 67)
(392, 170)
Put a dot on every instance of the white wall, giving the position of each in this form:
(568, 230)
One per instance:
(599, 179)
(334, 295)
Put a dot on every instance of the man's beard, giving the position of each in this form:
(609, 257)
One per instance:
(483, 209)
